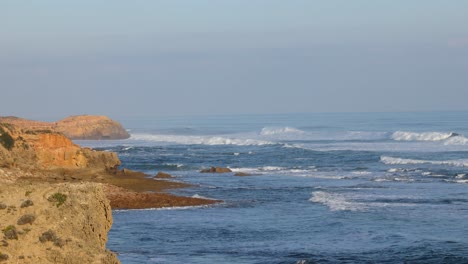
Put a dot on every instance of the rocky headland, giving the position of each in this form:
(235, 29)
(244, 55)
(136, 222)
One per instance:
(56, 197)
(75, 127)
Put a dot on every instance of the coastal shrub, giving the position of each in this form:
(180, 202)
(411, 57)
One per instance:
(27, 203)
(3, 257)
(52, 237)
(44, 131)
(10, 232)
(6, 140)
(26, 219)
(57, 198)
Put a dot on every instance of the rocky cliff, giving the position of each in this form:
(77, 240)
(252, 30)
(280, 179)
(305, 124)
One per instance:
(75, 127)
(34, 150)
(54, 197)
(59, 223)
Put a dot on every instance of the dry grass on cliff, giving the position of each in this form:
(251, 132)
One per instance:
(75, 232)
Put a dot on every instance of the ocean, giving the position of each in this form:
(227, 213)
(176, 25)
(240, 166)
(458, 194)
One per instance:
(325, 188)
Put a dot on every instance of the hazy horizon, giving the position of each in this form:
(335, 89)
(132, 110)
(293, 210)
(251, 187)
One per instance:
(175, 58)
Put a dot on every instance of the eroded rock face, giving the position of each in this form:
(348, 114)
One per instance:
(74, 127)
(74, 232)
(45, 150)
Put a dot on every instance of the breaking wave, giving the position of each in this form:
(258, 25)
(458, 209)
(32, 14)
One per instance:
(401, 161)
(201, 140)
(427, 136)
(270, 131)
(336, 202)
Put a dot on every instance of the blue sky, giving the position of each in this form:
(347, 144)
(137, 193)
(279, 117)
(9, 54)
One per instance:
(179, 57)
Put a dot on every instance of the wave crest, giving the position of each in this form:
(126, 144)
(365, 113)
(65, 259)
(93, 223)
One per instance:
(271, 131)
(401, 161)
(200, 140)
(424, 136)
(336, 202)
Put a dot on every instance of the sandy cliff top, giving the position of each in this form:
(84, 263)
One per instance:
(60, 223)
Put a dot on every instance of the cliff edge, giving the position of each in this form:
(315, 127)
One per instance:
(59, 223)
(75, 127)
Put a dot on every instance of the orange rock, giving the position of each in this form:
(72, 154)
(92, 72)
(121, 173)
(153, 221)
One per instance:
(74, 127)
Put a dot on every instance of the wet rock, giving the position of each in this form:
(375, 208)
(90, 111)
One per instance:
(163, 175)
(216, 170)
(242, 174)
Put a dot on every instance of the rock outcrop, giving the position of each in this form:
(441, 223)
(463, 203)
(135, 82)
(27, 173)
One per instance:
(54, 195)
(60, 223)
(163, 175)
(216, 170)
(75, 127)
(46, 150)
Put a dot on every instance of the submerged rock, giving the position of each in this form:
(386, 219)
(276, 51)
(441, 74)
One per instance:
(241, 174)
(216, 170)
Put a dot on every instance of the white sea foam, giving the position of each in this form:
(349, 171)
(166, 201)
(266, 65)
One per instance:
(202, 197)
(458, 140)
(178, 165)
(270, 131)
(336, 202)
(271, 168)
(449, 138)
(165, 208)
(461, 181)
(425, 136)
(200, 140)
(361, 172)
(401, 161)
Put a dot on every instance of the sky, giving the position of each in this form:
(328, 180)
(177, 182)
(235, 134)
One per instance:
(203, 57)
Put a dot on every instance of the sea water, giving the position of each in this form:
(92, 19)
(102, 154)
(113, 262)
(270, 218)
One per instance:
(325, 188)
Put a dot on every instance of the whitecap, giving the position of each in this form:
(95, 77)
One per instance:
(270, 131)
(200, 140)
(424, 136)
(336, 202)
(201, 197)
(402, 161)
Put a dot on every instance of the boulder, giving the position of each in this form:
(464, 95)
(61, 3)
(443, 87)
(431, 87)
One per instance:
(162, 175)
(216, 170)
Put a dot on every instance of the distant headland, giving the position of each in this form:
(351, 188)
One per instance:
(74, 127)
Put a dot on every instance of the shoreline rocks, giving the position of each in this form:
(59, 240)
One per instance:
(216, 170)
(163, 175)
(37, 164)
